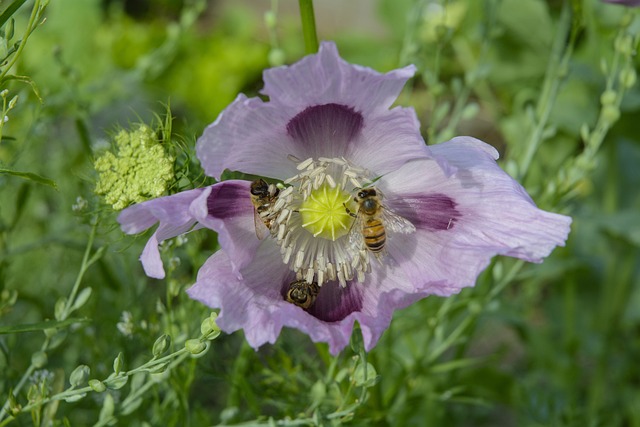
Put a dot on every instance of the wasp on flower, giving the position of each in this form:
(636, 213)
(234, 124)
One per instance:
(326, 133)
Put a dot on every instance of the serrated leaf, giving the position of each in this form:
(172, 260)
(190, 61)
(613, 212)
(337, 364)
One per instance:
(29, 176)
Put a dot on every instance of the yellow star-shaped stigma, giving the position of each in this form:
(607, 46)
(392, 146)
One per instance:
(324, 214)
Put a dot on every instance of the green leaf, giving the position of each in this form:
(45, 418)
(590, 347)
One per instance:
(23, 79)
(10, 10)
(31, 177)
(40, 326)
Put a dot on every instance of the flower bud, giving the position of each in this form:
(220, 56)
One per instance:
(270, 19)
(608, 97)
(34, 393)
(209, 328)
(14, 406)
(58, 311)
(195, 346)
(39, 359)
(117, 363)
(79, 375)
(610, 114)
(161, 345)
(628, 77)
(276, 57)
(624, 44)
(585, 133)
(9, 30)
(97, 385)
(13, 102)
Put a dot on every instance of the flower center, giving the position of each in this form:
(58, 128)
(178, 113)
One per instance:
(323, 213)
(311, 224)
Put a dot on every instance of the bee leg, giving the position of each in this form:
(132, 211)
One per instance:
(379, 257)
(349, 210)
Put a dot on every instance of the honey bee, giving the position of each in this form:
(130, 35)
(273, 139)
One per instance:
(302, 293)
(263, 196)
(372, 220)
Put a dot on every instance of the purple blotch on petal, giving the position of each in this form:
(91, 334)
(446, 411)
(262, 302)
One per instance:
(229, 200)
(334, 302)
(429, 211)
(326, 130)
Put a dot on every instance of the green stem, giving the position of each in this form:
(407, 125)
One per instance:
(83, 268)
(554, 76)
(308, 26)
(179, 355)
(35, 13)
(45, 345)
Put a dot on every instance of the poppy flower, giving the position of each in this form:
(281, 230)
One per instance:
(357, 217)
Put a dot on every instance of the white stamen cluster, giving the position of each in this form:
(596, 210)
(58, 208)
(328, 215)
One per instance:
(318, 259)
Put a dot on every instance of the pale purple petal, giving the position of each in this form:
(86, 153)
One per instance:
(325, 78)
(388, 141)
(334, 302)
(349, 117)
(255, 302)
(226, 208)
(249, 136)
(326, 130)
(386, 289)
(172, 212)
(255, 306)
(464, 219)
(499, 213)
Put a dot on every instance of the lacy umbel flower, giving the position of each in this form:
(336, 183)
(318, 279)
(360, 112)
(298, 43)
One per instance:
(356, 218)
(140, 169)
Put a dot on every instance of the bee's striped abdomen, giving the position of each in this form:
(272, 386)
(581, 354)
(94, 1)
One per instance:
(374, 235)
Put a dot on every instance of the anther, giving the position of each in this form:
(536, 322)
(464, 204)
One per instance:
(303, 165)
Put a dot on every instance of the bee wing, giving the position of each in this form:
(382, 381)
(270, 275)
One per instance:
(262, 230)
(396, 223)
(355, 233)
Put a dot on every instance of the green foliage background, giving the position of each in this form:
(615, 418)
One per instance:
(545, 82)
